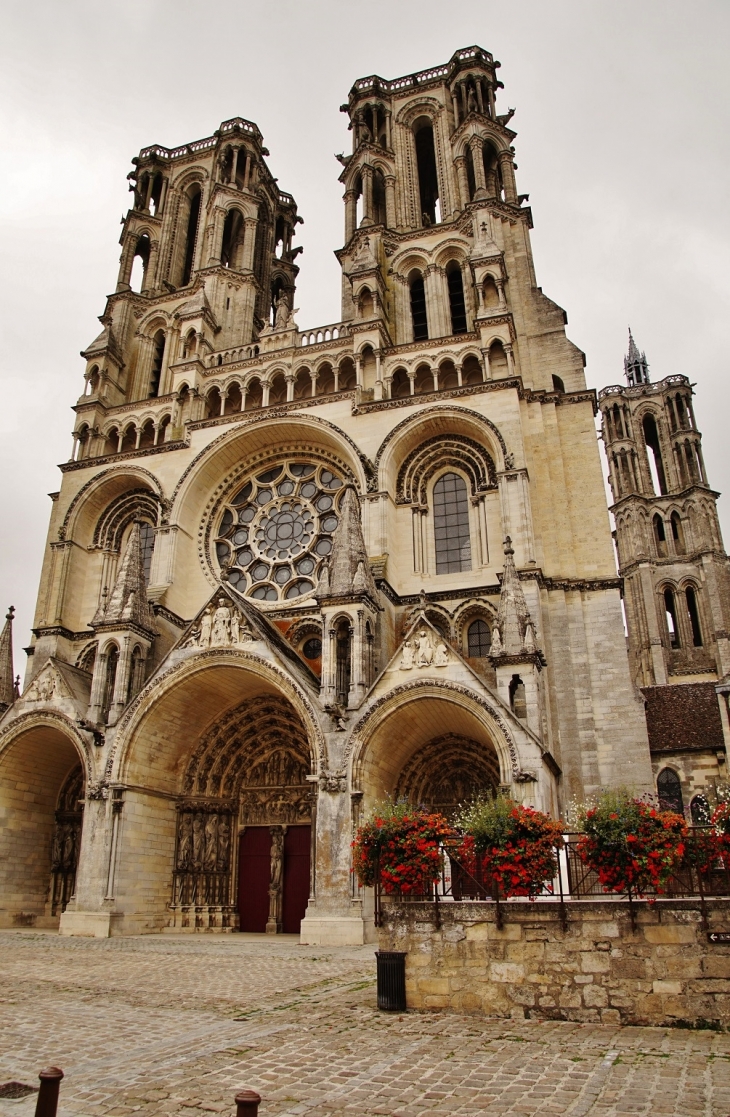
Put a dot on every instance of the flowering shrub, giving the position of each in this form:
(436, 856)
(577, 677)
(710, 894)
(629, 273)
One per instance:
(511, 845)
(403, 843)
(630, 844)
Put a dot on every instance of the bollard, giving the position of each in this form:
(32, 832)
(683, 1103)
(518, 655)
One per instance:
(247, 1103)
(47, 1103)
(391, 980)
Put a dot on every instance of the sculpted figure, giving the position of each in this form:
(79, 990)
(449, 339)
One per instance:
(198, 842)
(185, 847)
(206, 628)
(424, 654)
(224, 835)
(496, 641)
(441, 658)
(277, 858)
(235, 627)
(406, 660)
(281, 311)
(211, 841)
(221, 635)
(471, 101)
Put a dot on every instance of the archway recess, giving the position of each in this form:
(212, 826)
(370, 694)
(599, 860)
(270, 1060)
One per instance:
(35, 765)
(214, 748)
(417, 749)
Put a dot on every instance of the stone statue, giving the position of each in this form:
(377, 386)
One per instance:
(471, 101)
(277, 858)
(441, 658)
(529, 637)
(282, 311)
(235, 627)
(198, 842)
(221, 635)
(496, 648)
(406, 659)
(424, 654)
(185, 846)
(211, 841)
(206, 628)
(224, 836)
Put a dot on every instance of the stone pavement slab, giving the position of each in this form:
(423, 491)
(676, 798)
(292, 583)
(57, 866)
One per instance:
(175, 1025)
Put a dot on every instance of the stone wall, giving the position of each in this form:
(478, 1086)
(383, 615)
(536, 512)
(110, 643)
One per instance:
(598, 969)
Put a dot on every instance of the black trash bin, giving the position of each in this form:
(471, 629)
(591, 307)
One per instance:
(391, 980)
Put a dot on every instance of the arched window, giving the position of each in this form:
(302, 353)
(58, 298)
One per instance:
(471, 180)
(558, 385)
(343, 642)
(669, 790)
(158, 353)
(694, 616)
(110, 678)
(418, 308)
(451, 524)
(654, 454)
(660, 537)
(479, 639)
(147, 546)
(347, 376)
(400, 385)
(677, 533)
(699, 810)
(492, 173)
(136, 673)
(232, 238)
(139, 263)
(471, 371)
(147, 435)
(378, 214)
(517, 697)
(457, 305)
(428, 184)
(670, 612)
(191, 234)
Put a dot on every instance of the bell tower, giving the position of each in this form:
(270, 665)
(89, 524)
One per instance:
(670, 552)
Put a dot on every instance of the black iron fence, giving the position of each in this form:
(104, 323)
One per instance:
(573, 881)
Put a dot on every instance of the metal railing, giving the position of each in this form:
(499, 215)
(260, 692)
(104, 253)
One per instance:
(574, 881)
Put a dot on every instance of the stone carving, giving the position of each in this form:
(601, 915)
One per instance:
(449, 771)
(283, 805)
(47, 686)
(222, 625)
(333, 781)
(425, 649)
(203, 857)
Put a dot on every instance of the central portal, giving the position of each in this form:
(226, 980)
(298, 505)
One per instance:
(244, 823)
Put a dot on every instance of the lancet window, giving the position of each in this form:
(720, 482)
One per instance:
(457, 304)
(451, 524)
(669, 791)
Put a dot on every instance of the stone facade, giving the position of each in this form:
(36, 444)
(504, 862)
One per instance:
(291, 571)
(664, 972)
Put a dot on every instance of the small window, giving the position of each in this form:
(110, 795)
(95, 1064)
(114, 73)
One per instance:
(699, 810)
(558, 385)
(669, 790)
(518, 697)
(660, 536)
(110, 678)
(418, 309)
(694, 616)
(677, 533)
(312, 648)
(147, 546)
(451, 524)
(457, 305)
(479, 639)
(671, 618)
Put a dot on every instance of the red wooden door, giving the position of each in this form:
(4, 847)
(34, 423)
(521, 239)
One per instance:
(296, 878)
(254, 869)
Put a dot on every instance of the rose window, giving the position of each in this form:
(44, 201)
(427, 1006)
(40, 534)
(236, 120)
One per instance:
(277, 528)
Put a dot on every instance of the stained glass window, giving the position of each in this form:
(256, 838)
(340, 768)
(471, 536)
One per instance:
(451, 524)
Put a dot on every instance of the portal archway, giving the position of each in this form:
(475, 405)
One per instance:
(42, 772)
(218, 746)
(448, 772)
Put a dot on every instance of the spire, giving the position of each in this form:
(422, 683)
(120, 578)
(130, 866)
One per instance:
(513, 619)
(349, 569)
(8, 689)
(127, 603)
(636, 366)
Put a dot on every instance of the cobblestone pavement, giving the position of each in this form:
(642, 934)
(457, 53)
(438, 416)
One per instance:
(162, 1025)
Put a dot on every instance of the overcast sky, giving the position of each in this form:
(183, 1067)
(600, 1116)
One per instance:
(623, 145)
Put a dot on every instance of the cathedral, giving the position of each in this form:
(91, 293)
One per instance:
(291, 572)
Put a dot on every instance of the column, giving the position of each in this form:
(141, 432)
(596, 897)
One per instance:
(265, 388)
(350, 199)
(97, 688)
(508, 177)
(390, 201)
(437, 301)
(417, 547)
(510, 359)
(480, 99)
(500, 293)
(463, 179)
(389, 129)
(367, 195)
(215, 235)
(378, 376)
(483, 535)
(490, 97)
(289, 388)
(125, 262)
(455, 104)
(358, 370)
(475, 146)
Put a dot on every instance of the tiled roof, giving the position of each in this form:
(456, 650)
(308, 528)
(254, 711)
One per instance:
(683, 717)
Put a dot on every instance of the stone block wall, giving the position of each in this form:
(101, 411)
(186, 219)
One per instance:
(598, 970)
